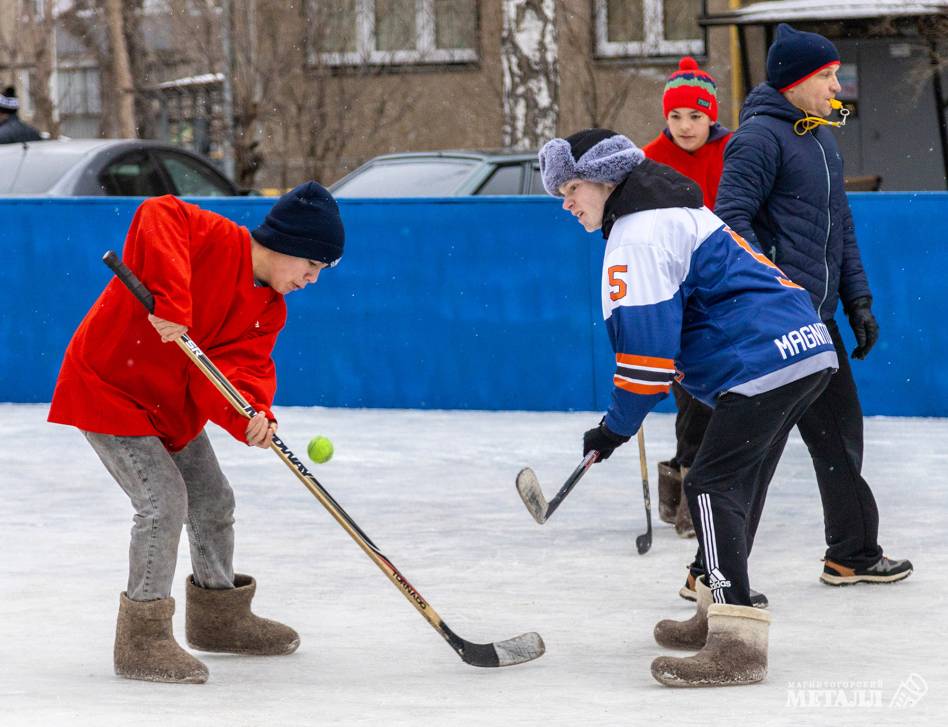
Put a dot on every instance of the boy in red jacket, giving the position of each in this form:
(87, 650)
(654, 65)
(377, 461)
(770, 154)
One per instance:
(142, 406)
(693, 144)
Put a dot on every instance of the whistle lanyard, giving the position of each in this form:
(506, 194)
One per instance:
(809, 123)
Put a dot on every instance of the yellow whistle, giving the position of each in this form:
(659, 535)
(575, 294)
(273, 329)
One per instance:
(809, 123)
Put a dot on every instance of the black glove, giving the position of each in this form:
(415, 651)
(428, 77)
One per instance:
(864, 325)
(603, 440)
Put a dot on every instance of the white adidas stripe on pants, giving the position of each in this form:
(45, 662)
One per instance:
(709, 542)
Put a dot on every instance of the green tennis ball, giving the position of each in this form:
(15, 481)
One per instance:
(319, 449)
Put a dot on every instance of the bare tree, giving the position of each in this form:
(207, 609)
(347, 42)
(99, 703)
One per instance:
(295, 110)
(30, 47)
(530, 72)
(307, 113)
(83, 21)
(602, 98)
(292, 112)
(121, 69)
(11, 50)
(252, 72)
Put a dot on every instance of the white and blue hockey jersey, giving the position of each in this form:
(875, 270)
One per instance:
(685, 297)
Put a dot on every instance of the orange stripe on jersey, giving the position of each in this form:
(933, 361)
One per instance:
(762, 259)
(636, 388)
(789, 283)
(653, 361)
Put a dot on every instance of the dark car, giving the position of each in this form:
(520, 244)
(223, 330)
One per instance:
(443, 174)
(108, 167)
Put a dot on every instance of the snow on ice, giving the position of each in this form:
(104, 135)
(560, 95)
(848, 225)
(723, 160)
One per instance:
(435, 491)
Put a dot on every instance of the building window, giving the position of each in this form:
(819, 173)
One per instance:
(78, 101)
(391, 32)
(627, 28)
(79, 92)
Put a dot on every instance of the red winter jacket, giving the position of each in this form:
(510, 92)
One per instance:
(118, 377)
(703, 166)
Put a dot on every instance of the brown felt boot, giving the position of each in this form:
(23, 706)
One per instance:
(221, 620)
(690, 634)
(145, 647)
(669, 492)
(683, 525)
(735, 651)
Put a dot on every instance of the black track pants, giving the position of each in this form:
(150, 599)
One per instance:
(727, 484)
(832, 431)
(690, 425)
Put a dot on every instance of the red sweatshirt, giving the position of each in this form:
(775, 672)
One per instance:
(118, 377)
(703, 166)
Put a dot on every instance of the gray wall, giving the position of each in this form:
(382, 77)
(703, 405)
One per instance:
(894, 132)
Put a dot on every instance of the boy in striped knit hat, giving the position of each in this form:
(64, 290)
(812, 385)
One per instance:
(692, 144)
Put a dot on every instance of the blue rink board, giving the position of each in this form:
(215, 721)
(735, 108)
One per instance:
(480, 303)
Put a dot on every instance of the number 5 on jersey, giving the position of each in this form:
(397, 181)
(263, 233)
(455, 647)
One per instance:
(618, 285)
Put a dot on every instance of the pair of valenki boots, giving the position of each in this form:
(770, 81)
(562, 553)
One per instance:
(731, 642)
(216, 621)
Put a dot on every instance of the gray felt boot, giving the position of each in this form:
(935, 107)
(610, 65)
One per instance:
(221, 621)
(735, 651)
(690, 634)
(683, 525)
(145, 647)
(669, 492)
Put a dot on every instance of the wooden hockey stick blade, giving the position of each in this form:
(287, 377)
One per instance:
(518, 650)
(529, 488)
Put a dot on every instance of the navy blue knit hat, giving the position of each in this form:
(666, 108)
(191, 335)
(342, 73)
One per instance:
(796, 55)
(304, 222)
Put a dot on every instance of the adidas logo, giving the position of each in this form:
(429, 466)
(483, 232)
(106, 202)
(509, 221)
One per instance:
(718, 580)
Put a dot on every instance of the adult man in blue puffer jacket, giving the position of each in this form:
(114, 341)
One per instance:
(782, 189)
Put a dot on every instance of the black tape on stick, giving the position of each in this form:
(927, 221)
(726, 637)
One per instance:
(130, 280)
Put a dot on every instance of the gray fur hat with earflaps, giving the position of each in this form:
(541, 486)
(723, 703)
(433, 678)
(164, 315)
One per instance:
(595, 155)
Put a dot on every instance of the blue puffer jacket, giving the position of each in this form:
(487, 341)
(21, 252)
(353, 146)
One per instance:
(784, 193)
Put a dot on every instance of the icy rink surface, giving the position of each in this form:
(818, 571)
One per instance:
(435, 491)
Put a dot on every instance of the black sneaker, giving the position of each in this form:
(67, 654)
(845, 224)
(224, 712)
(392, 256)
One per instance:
(885, 570)
(687, 591)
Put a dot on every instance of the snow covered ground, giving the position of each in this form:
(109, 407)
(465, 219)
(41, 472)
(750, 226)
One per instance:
(434, 490)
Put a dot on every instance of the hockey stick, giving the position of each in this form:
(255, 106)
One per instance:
(644, 541)
(532, 495)
(517, 650)
(529, 488)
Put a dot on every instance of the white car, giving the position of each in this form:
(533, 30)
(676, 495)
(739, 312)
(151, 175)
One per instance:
(108, 167)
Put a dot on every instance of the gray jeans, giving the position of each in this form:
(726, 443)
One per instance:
(168, 490)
